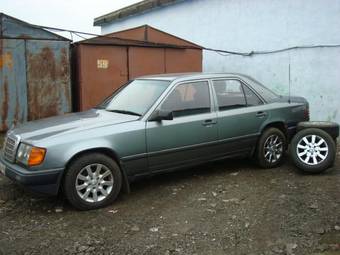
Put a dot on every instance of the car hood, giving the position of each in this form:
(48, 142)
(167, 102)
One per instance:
(68, 123)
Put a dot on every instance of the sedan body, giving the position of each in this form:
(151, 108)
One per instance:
(154, 124)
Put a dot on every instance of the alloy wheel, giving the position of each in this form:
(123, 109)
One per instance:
(312, 149)
(273, 148)
(94, 183)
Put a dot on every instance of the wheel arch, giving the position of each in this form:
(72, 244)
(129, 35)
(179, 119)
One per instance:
(259, 148)
(276, 124)
(106, 151)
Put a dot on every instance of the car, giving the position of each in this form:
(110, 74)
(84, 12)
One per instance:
(152, 124)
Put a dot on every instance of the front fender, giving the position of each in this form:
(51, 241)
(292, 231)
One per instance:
(126, 140)
(58, 156)
(88, 145)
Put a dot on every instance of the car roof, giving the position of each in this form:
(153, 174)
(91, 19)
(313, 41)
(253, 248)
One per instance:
(192, 76)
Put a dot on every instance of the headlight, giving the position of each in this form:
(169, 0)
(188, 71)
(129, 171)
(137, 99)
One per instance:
(29, 155)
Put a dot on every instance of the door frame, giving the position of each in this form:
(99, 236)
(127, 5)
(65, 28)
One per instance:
(244, 83)
(172, 87)
(247, 138)
(161, 100)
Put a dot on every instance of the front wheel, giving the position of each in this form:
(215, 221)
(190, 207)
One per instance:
(271, 148)
(92, 181)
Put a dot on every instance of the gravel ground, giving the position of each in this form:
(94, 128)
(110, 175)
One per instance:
(228, 207)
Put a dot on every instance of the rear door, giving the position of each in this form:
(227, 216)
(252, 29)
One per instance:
(186, 139)
(241, 114)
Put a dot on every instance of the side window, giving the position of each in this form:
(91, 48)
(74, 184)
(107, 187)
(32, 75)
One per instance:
(188, 99)
(229, 94)
(251, 97)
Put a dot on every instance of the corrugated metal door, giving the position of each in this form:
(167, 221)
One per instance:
(13, 91)
(48, 78)
(101, 70)
(144, 61)
(183, 60)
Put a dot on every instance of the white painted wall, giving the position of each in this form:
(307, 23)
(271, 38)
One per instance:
(246, 25)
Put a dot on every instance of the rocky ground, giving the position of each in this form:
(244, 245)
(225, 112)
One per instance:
(229, 207)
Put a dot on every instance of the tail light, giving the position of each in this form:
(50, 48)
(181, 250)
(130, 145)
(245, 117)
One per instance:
(306, 113)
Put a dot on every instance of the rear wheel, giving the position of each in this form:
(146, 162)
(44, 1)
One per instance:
(92, 181)
(271, 148)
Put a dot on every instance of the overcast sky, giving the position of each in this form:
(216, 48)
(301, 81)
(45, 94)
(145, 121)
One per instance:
(71, 14)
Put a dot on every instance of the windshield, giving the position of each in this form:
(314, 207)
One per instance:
(136, 98)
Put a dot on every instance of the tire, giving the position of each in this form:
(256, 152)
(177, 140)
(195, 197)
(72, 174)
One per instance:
(331, 128)
(300, 155)
(274, 142)
(92, 187)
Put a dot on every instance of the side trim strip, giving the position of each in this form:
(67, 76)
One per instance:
(134, 157)
(188, 147)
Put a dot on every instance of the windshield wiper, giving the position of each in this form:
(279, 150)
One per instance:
(124, 112)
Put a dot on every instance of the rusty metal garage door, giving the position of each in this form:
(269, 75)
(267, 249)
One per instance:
(144, 61)
(13, 96)
(48, 78)
(101, 70)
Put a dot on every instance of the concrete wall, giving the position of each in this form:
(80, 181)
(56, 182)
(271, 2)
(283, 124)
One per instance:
(246, 25)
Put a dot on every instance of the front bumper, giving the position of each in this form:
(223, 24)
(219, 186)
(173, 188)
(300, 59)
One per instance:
(43, 181)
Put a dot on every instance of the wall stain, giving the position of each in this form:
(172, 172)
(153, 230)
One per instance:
(4, 105)
(17, 109)
(335, 113)
(64, 74)
(6, 60)
(42, 65)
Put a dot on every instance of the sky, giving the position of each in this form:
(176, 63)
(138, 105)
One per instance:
(70, 14)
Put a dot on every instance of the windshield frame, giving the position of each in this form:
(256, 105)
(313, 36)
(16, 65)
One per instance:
(115, 93)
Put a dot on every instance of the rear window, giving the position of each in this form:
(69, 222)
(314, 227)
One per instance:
(229, 94)
(251, 97)
(266, 93)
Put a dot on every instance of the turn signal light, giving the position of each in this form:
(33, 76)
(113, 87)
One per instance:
(36, 156)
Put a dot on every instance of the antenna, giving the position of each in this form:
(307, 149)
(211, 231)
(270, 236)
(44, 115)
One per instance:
(289, 80)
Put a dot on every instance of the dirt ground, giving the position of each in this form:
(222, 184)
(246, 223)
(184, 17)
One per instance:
(229, 207)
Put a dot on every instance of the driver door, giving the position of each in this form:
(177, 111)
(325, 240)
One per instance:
(187, 138)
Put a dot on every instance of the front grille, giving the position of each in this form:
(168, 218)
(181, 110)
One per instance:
(10, 148)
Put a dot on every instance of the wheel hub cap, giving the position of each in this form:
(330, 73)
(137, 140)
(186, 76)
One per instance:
(94, 183)
(312, 149)
(273, 148)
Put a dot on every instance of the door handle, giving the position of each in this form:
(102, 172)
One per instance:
(209, 122)
(261, 114)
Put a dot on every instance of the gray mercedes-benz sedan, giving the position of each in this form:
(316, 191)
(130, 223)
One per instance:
(152, 124)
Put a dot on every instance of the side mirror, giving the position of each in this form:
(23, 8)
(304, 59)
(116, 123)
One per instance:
(160, 115)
